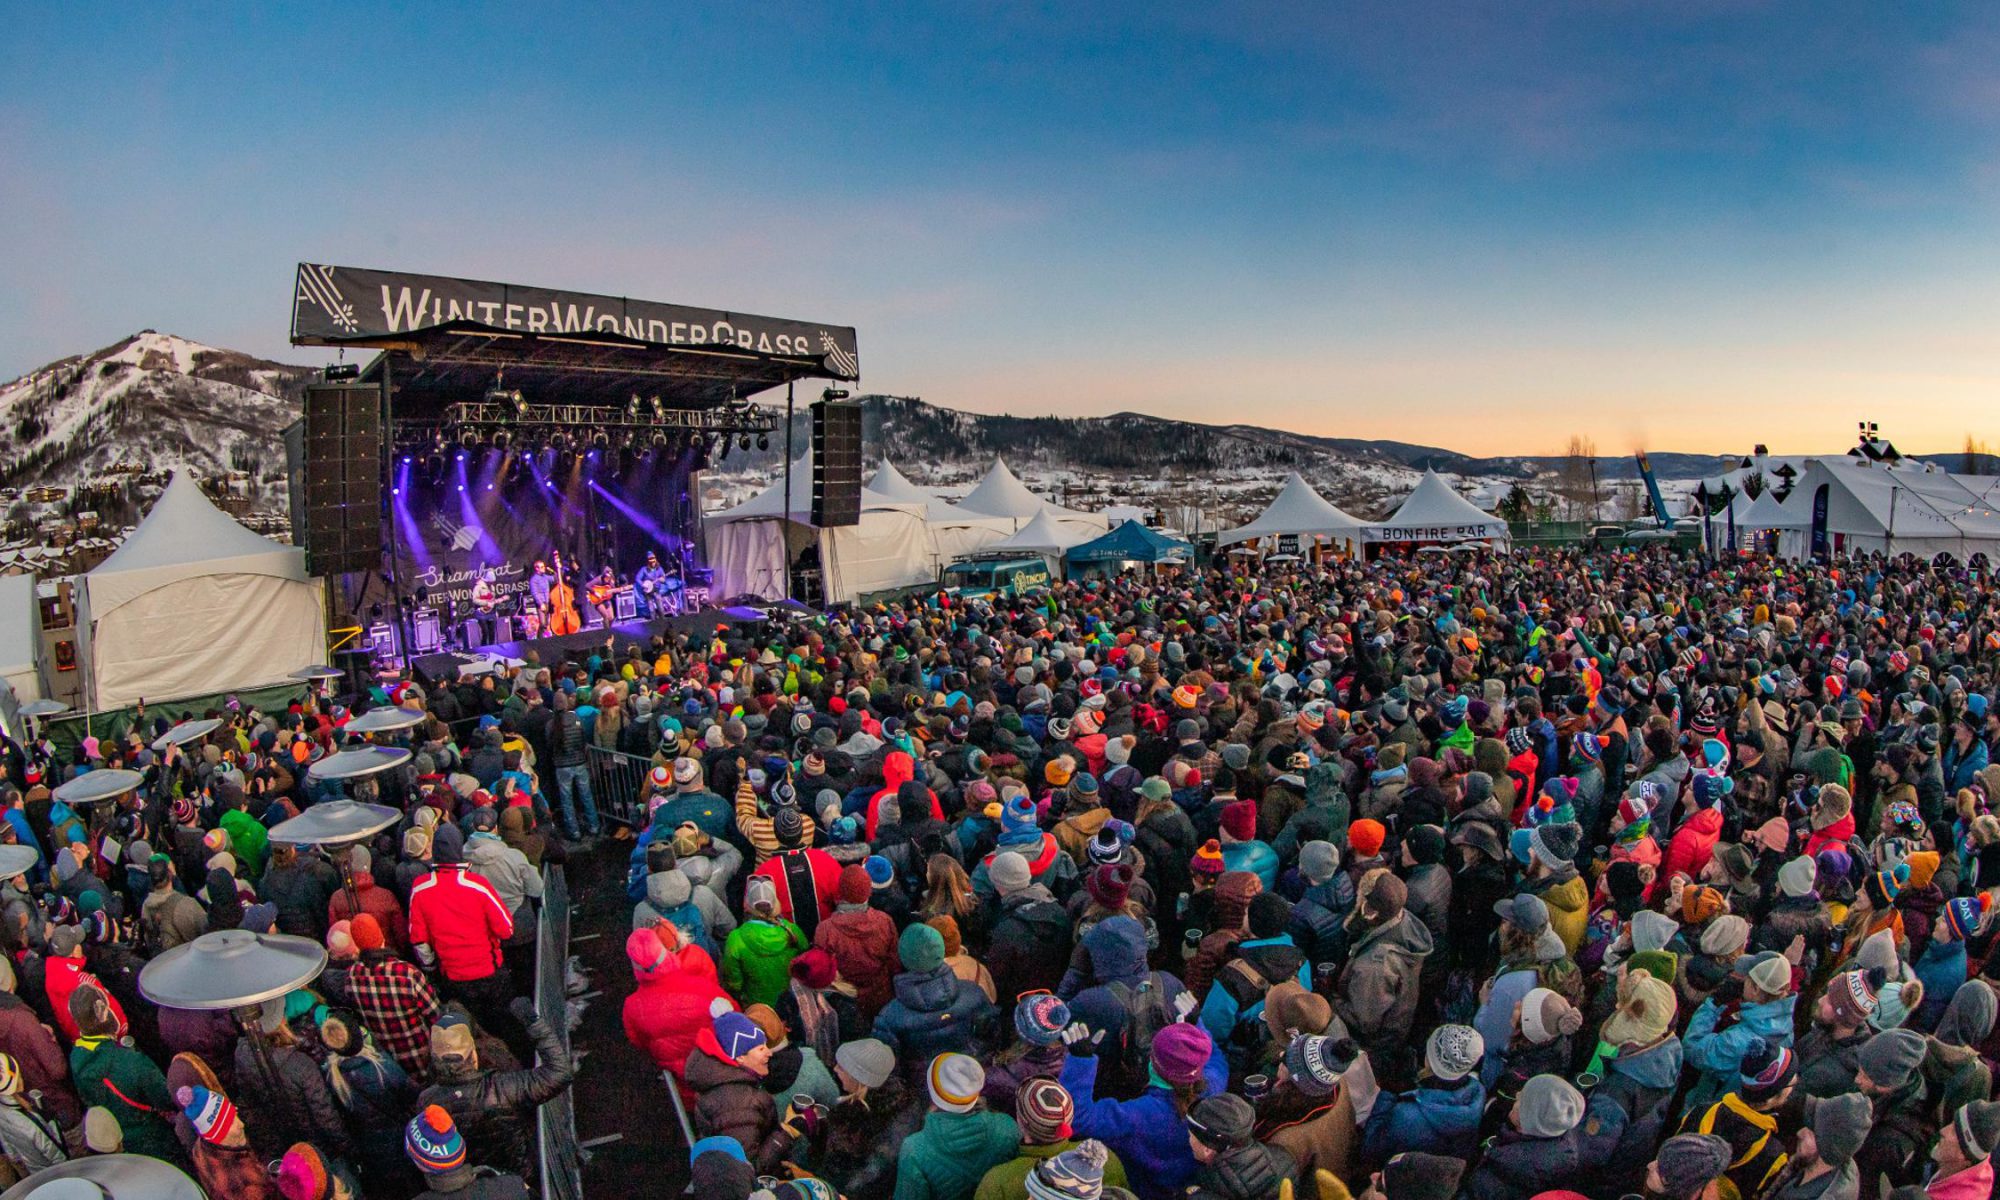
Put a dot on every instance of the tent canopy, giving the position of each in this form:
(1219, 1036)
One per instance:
(194, 603)
(1002, 494)
(1433, 512)
(769, 504)
(893, 485)
(1043, 535)
(1297, 509)
(1131, 542)
(1768, 512)
(184, 536)
(20, 627)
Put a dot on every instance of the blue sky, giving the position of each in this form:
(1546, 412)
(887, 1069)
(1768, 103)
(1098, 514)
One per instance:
(1681, 225)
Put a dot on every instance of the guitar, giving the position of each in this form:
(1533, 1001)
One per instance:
(563, 617)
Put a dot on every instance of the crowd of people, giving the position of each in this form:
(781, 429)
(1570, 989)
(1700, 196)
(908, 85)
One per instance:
(1496, 877)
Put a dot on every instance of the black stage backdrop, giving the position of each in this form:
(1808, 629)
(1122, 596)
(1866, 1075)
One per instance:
(460, 513)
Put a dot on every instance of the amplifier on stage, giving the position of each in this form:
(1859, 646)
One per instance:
(427, 636)
(694, 597)
(382, 640)
(625, 605)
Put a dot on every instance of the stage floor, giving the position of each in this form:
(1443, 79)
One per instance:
(549, 651)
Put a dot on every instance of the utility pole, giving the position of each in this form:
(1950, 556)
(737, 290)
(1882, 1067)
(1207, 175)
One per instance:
(1595, 501)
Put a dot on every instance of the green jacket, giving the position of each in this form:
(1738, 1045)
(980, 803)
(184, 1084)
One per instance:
(1009, 1180)
(247, 841)
(757, 960)
(951, 1154)
(126, 1082)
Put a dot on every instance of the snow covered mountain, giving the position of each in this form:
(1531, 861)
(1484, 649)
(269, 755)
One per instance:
(150, 403)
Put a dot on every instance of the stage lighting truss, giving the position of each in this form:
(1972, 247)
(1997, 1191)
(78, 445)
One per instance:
(506, 418)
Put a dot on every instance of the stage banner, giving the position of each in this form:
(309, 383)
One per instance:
(338, 305)
(1819, 539)
(442, 555)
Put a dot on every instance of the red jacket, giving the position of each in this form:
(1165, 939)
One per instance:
(1693, 844)
(459, 916)
(863, 943)
(898, 769)
(669, 1007)
(825, 873)
(378, 902)
(63, 976)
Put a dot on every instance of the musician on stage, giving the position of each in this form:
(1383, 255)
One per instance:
(539, 584)
(485, 599)
(603, 598)
(655, 586)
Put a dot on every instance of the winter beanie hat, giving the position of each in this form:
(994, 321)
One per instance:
(955, 1081)
(1892, 1056)
(1040, 1019)
(432, 1141)
(1840, 1124)
(1646, 1007)
(1008, 873)
(1415, 1175)
(1978, 1125)
(1316, 1063)
(921, 948)
(1768, 1069)
(303, 1174)
(1853, 996)
(1318, 861)
(736, 1033)
(1689, 1162)
(1546, 1016)
(1365, 837)
(1796, 878)
(1043, 1109)
(1652, 930)
(1548, 1107)
(1206, 861)
(1222, 1122)
(211, 1113)
(1180, 1053)
(1965, 915)
(1453, 1052)
(1075, 1174)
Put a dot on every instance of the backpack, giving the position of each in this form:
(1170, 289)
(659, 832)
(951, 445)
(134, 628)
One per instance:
(1246, 983)
(1147, 1011)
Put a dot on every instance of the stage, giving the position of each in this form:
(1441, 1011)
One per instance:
(737, 623)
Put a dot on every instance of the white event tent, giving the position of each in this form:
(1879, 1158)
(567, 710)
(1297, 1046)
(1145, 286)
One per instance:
(1433, 512)
(752, 545)
(1872, 507)
(1002, 494)
(20, 648)
(953, 530)
(193, 603)
(1298, 510)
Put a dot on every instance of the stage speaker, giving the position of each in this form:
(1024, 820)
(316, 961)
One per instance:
(836, 446)
(339, 521)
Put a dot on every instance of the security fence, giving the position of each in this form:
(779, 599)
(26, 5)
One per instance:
(562, 1161)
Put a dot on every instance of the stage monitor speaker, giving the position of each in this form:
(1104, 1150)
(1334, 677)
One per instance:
(342, 477)
(836, 446)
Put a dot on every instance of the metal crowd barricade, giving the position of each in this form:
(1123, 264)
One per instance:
(562, 1160)
(617, 780)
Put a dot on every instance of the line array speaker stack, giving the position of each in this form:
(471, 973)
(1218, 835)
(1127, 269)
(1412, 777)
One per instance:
(836, 445)
(342, 472)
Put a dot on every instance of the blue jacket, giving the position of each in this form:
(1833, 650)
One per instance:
(1941, 969)
(1255, 857)
(1718, 1054)
(1495, 1020)
(1960, 772)
(1433, 1118)
(934, 1012)
(1221, 1012)
(1147, 1134)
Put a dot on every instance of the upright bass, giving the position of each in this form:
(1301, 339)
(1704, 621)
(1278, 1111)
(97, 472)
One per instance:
(563, 617)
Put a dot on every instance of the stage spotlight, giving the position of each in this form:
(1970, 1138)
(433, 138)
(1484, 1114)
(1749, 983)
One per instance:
(599, 440)
(743, 442)
(763, 441)
(502, 439)
(659, 409)
(632, 405)
(467, 439)
(659, 440)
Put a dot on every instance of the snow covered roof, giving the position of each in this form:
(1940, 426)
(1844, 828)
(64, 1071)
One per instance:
(1433, 512)
(184, 536)
(1296, 509)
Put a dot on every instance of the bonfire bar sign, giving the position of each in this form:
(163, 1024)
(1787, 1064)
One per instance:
(334, 306)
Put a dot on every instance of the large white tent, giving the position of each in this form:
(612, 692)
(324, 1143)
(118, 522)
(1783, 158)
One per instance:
(752, 545)
(1910, 508)
(194, 603)
(1298, 510)
(1433, 512)
(20, 648)
(1002, 494)
(953, 530)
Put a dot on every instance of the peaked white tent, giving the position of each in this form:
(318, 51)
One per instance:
(1874, 508)
(1002, 494)
(1433, 512)
(1044, 535)
(194, 603)
(954, 531)
(1298, 509)
(752, 545)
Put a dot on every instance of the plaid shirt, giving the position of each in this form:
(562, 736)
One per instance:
(398, 1005)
